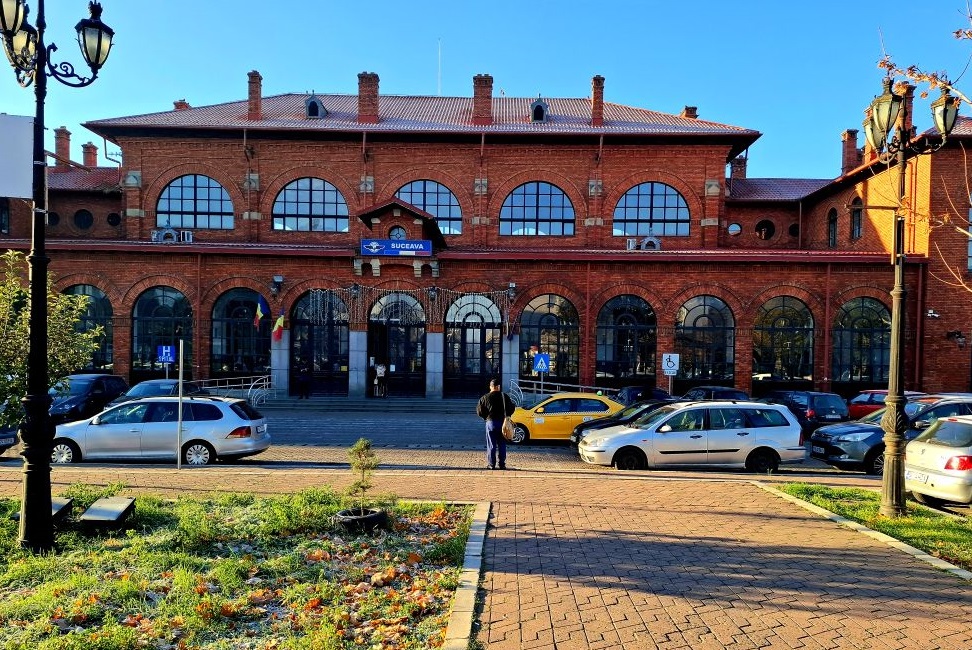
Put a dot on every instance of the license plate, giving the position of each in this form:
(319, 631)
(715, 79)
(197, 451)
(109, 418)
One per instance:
(917, 477)
(832, 416)
(817, 450)
(7, 441)
(262, 428)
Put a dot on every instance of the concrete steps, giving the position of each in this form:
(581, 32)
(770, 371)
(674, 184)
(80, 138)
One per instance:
(464, 406)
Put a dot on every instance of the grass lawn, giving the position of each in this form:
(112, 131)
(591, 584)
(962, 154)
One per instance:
(234, 571)
(938, 534)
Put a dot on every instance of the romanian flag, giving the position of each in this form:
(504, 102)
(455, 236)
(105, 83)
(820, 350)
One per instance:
(278, 328)
(262, 310)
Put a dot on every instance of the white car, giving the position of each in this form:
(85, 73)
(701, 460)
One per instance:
(147, 429)
(753, 435)
(938, 463)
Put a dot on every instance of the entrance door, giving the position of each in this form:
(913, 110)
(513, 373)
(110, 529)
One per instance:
(396, 337)
(319, 339)
(473, 355)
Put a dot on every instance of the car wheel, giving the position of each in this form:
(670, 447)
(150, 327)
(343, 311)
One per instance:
(64, 452)
(630, 459)
(874, 461)
(198, 453)
(934, 502)
(520, 434)
(763, 461)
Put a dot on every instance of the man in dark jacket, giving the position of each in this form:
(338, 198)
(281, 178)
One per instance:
(493, 407)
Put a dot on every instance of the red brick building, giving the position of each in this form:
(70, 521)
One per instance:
(455, 238)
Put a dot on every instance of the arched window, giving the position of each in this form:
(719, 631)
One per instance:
(99, 313)
(473, 345)
(783, 341)
(436, 199)
(240, 343)
(626, 335)
(4, 215)
(652, 209)
(832, 228)
(862, 343)
(396, 336)
(320, 340)
(539, 111)
(550, 324)
(705, 333)
(194, 201)
(310, 205)
(537, 208)
(857, 218)
(162, 316)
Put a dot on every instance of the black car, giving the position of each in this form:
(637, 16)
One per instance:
(83, 395)
(624, 416)
(630, 394)
(159, 388)
(713, 392)
(860, 444)
(813, 409)
(8, 438)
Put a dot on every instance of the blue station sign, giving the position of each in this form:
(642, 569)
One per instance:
(397, 247)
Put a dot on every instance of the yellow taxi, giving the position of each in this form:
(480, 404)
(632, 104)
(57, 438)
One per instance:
(555, 417)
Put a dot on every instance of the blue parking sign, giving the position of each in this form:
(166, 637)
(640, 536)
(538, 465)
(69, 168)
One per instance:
(541, 362)
(166, 354)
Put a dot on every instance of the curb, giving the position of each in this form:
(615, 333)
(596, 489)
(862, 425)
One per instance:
(938, 563)
(459, 629)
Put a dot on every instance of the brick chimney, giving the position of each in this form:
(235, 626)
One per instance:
(597, 101)
(367, 98)
(255, 96)
(62, 148)
(89, 154)
(850, 156)
(737, 168)
(180, 105)
(691, 112)
(482, 100)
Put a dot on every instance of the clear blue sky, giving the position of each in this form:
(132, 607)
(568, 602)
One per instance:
(800, 73)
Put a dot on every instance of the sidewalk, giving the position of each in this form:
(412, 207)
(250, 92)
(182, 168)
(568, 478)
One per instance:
(641, 561)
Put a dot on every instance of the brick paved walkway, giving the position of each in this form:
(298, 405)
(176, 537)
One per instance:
(645, 561)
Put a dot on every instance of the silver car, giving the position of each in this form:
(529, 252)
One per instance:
(938, 463)
(147, 429)
(753, 435)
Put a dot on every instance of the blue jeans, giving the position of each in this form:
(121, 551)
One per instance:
(495, 442)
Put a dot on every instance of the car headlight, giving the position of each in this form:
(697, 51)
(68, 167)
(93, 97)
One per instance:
(854, 437)
(599, 441)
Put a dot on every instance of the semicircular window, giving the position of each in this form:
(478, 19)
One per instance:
(537, 208)
(783, 341)
(98, 314)
(652, 209)
(705, 339)
(194, 201)
(436, 199)
(310, 205)
(862, 343)
(550, 324)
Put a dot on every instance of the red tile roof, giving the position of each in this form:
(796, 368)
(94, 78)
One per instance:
(84, 179)
(774, 189)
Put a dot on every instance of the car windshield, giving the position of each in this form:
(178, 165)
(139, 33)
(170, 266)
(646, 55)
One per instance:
(649, 419)
(947, 433)
(630, 411)
(874, 417)
(70, 387)
(149, 390)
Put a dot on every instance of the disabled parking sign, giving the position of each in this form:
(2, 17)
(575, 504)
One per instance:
(541, 362)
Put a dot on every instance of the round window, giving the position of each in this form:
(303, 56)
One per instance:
(114, 219)
(397, 233)
(794, 230)
(53, 218)
(765, 229)
(734, 229)
(83, 219)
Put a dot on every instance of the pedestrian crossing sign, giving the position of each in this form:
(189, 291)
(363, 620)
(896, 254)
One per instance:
(541, 362)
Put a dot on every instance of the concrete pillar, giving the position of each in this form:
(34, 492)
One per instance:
(511, 361)
(358, 358)
(434, 364)
(280, 364)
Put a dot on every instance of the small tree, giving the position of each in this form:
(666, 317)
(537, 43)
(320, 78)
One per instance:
(364, 460)
(67, 348)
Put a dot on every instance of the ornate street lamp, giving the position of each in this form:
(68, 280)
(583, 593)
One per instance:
(886, 117)
(31, 60)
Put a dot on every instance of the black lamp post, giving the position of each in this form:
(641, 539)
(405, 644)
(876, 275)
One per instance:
(30, 57)
(888, 117)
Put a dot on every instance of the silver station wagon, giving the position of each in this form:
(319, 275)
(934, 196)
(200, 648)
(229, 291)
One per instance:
(752, 435)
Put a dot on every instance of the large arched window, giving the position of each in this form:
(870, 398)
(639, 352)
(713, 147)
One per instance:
(162, 316)
(550, 324)
(705, 333)
(783, 341)
(396, 337)
(537, 208)
(652, 209)
(436, 199)
(310, 205)
(862, 343)
(626, 333)
(240, 343)
(194, 201)
(99, 313)
(473, 345)
(320, 340)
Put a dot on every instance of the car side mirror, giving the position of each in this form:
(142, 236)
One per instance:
(96, 420)
(540, 410)
(920, 424)
(665, 428)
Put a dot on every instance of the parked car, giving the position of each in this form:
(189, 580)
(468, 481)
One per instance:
(142, 429)
(724, 433)
(868, 401)
(860, 444)
(556, 416)
(713, 392)
(625, 416)
(938, 463)
(157, 387)
(630, 394)
(84, 395)
(8, 438)
(812, 408)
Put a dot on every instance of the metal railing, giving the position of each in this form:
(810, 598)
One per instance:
(530, 391)
(256, 389)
